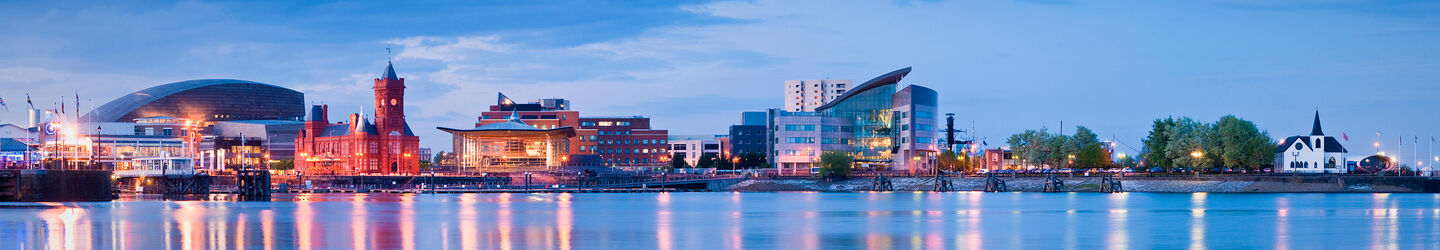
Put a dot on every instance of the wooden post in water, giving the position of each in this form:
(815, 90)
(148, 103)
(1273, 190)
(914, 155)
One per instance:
(253, 184)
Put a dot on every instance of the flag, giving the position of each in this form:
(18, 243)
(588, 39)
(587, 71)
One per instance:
(1343, 135)
(27, 101)
(2, 104)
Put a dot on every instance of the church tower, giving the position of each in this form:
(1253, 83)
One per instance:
(390, 103)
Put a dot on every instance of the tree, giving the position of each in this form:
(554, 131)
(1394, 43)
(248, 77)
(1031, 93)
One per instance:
(282, 165)
(948, 161)
(707, 160)
(1157, 143)
(1030, 146)
(1092, 156)
(835, 164)
(436, 160)
(751, 160)
(677, 162)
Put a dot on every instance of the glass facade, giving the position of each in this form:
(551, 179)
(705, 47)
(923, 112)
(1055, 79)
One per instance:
(871, 120)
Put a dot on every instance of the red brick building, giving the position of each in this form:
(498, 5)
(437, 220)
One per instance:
(357, 146)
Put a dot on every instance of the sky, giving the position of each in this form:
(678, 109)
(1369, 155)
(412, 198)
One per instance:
(693, 66)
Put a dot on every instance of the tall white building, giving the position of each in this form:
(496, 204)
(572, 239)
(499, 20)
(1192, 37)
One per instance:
(806, 95)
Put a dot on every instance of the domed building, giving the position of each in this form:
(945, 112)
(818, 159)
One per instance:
(205, 100)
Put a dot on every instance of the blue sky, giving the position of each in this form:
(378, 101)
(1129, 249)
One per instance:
(694, 65)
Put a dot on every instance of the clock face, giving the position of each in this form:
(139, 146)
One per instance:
(394, 102)
(1297, 146)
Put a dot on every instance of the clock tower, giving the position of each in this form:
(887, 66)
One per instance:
(390, 103)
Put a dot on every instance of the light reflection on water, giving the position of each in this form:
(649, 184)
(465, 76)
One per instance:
(964, 220)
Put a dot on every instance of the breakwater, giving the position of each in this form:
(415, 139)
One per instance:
(1170, 184)
(55, 185)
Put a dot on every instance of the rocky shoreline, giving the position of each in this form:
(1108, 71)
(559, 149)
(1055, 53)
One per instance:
(1225, 184)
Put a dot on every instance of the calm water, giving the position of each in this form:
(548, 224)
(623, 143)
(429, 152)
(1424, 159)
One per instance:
(738, 220)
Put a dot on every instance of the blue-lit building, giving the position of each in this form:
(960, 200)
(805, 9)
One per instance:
(882, 128)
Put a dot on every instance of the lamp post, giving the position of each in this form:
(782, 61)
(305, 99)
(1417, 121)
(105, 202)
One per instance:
(1194, 157)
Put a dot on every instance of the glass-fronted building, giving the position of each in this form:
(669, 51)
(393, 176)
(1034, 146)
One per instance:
(882, 128)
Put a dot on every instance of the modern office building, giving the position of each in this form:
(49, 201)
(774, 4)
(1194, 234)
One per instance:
(543, 114)
(201, 101)
(511, 146)
(796, 139)
(692, 147)
(915, 109)
(628, 141)
(358, 146)
(807, 95)
(882, 128)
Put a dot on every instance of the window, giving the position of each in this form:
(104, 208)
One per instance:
(607, 124)
(905, 127)
(587, 124)
(924, 140)
(923, 114)
(799, 139)
(800, 127)
(924, 127)
(622, 123)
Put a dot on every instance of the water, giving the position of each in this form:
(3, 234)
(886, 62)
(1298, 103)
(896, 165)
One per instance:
(966, 220)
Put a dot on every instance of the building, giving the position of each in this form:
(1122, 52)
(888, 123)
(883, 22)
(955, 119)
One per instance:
(15, 153)
(628, 141)
(1315, 153)
(261, 141)
(357, 146)
(511, 146)
(692, 147)
(544, 114)
(882, 128)
(806, 95)
(747, 139)
(998, 159)
(108, 145)
(756, 118)
(205, 100)
(917, 146)
(796, 139)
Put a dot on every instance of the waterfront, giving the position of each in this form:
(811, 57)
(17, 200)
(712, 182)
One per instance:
(735, 220)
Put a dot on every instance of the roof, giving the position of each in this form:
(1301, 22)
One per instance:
(335, 130)
(887, 79)
(8, 144)
(1316, 129)
(266, 122)
(114, 110)
(1331, 144)
(389, 72)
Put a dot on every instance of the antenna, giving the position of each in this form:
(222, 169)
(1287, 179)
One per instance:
(387, 54)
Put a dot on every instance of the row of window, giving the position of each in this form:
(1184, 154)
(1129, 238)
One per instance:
(604, 124)
(618, 132)
(799, 139)
(919, 127)
(921, 140)
(631, 161)
(629, 142)
(625, 151)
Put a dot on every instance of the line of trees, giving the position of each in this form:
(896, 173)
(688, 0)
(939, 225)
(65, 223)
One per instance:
(1040, 147)
(1229, 142)
(713, 160)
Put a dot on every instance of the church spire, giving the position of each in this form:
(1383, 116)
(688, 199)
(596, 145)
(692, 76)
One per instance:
(389, 72)
(1316, 129)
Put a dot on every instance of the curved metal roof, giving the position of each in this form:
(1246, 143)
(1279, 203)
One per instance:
(114, 110)
(888, 78)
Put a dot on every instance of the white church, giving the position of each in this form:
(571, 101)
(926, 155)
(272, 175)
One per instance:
(1315, 153)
